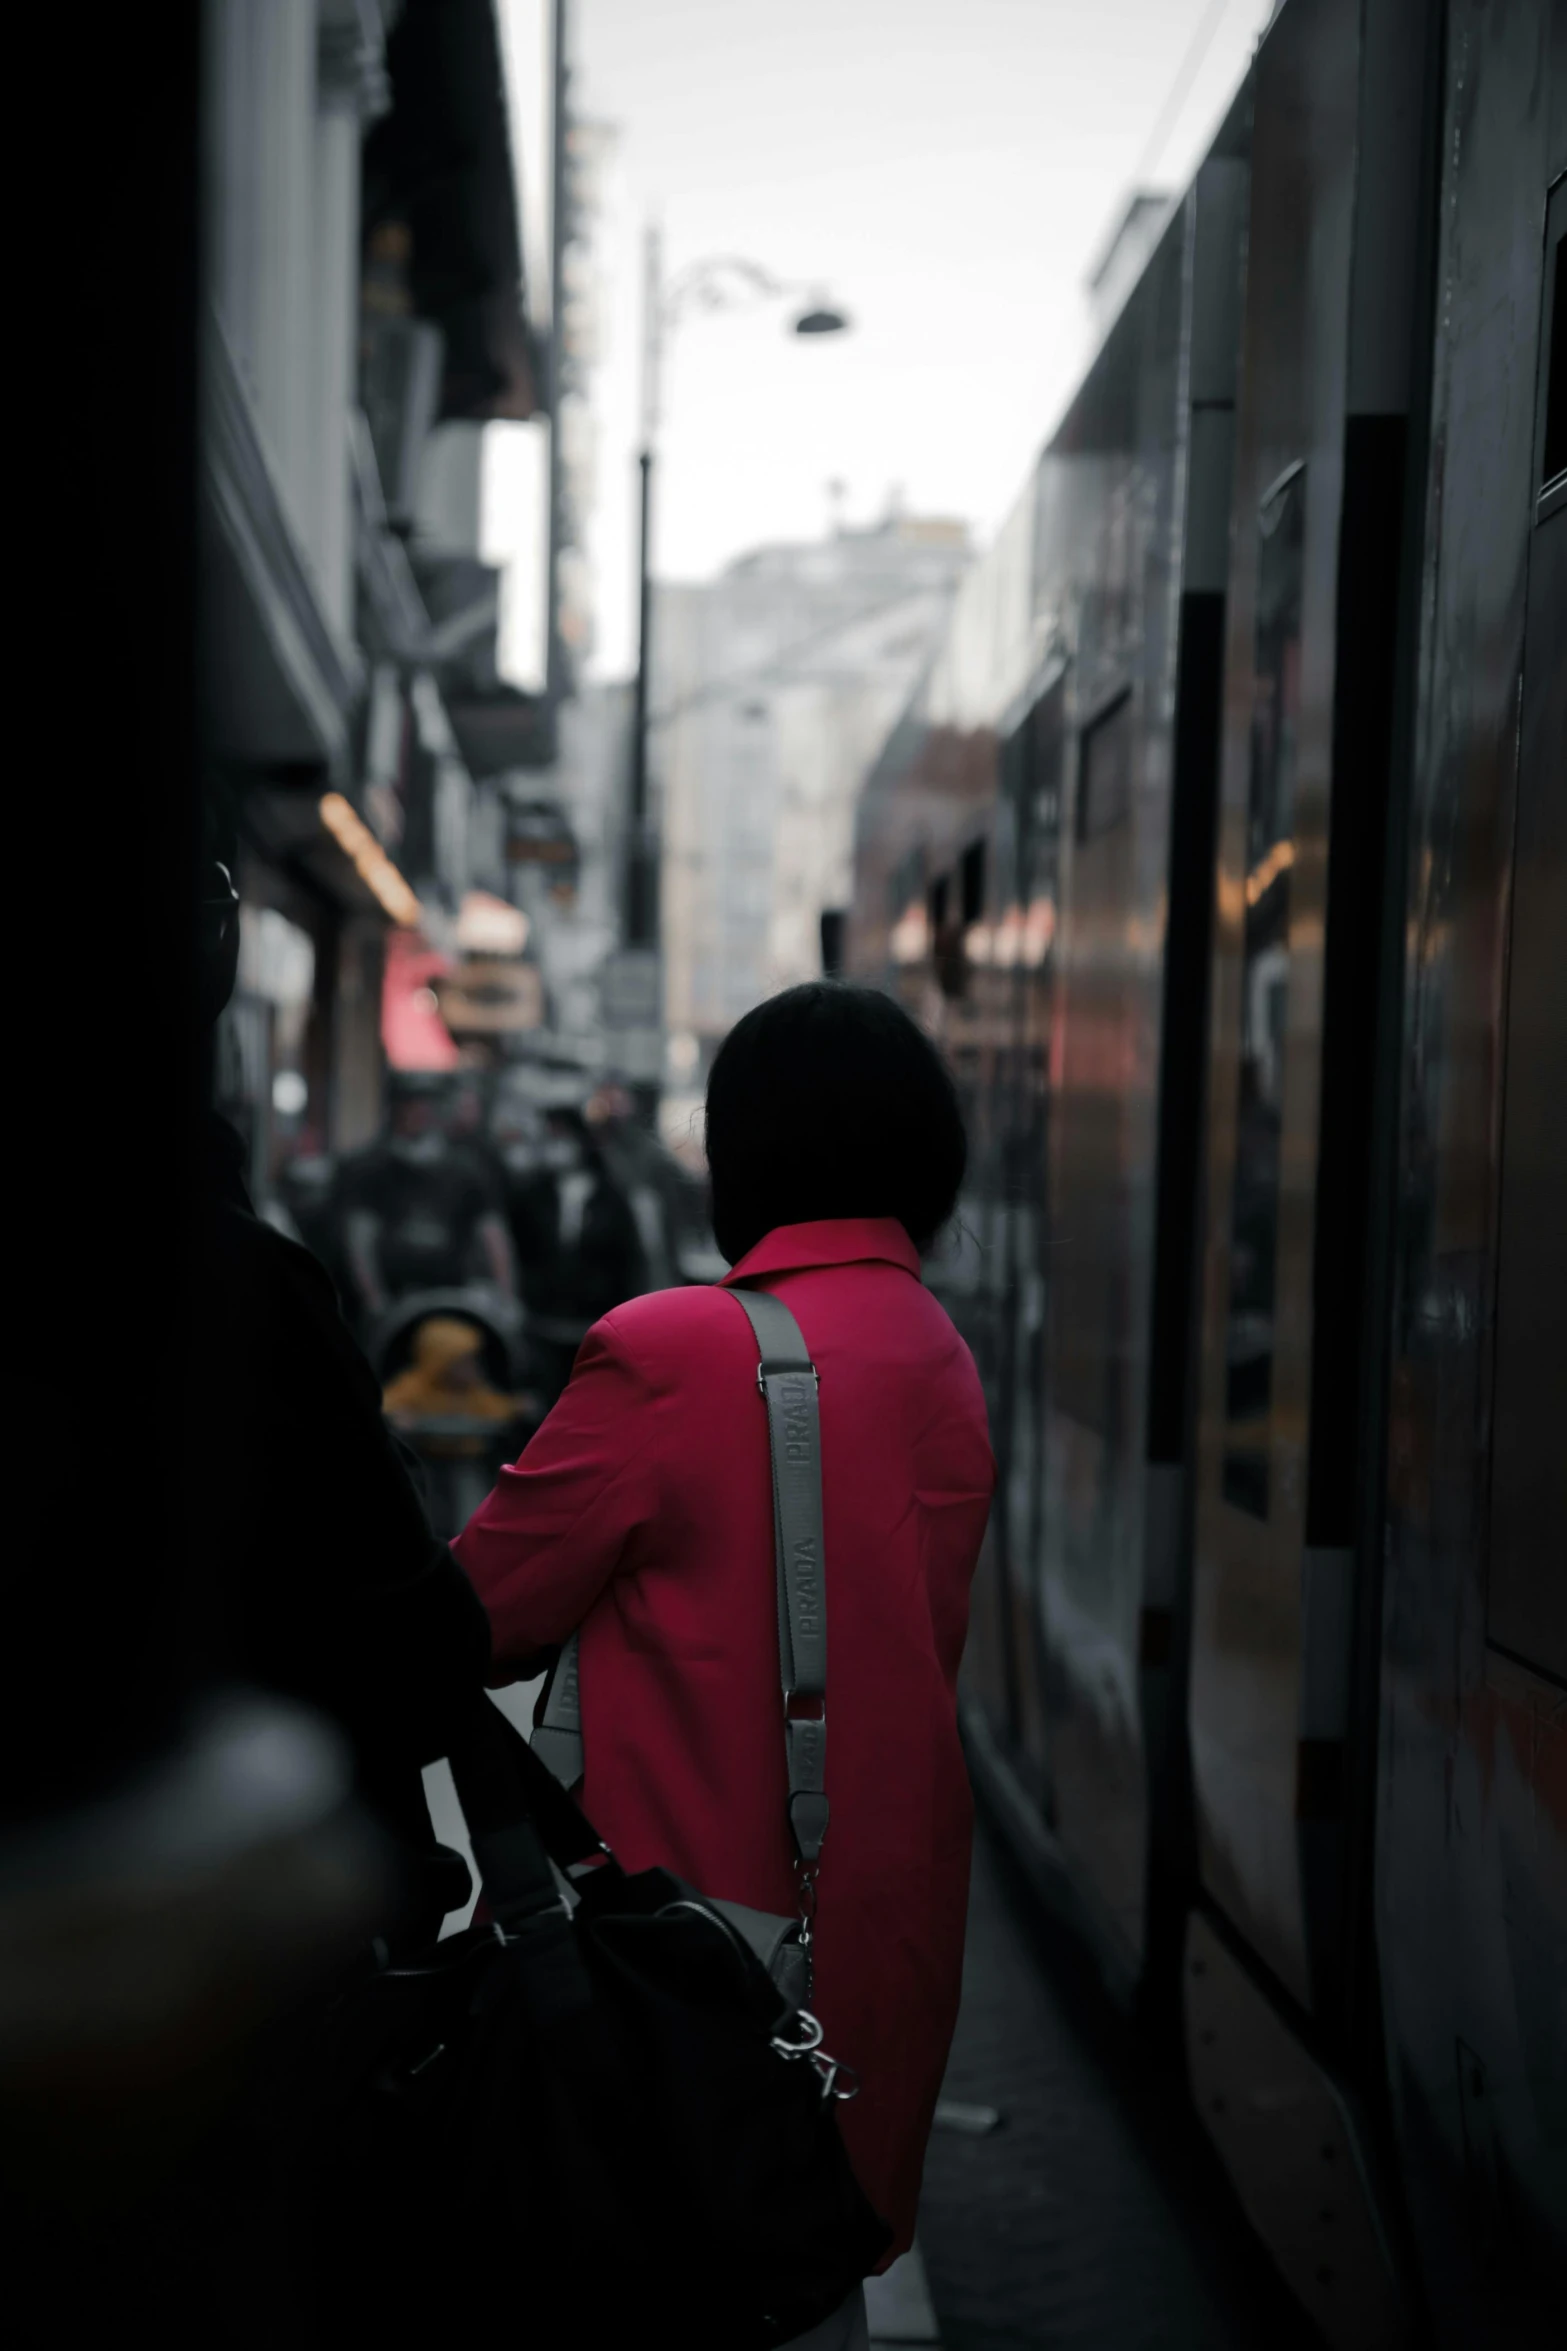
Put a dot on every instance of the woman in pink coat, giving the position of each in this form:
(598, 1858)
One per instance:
(641, 1513)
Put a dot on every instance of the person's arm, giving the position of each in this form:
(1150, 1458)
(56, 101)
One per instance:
(558, 1524)
(361, 1244)
(356, 1604)
(495, 1241)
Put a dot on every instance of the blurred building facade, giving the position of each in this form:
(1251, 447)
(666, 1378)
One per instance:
(774, 686)
(589, 148)
(364, 315)
(564, 820)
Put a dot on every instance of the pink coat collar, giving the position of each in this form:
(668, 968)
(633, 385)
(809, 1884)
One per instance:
(833, 1240)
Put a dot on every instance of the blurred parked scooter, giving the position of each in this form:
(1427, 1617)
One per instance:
(449, 1364)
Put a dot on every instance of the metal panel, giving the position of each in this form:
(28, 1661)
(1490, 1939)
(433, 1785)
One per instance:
(1526, 1594)
(1290, 2147)
(1472, 1837)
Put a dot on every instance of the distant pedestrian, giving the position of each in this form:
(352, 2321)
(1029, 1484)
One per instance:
(665, 1200)
(641, 1514)
(578, 1249)
(467, 1126)
(419, 1212)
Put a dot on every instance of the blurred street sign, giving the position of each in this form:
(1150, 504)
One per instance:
(631, 995)
(489, 996)
(538, 832)
(632, 989)
(636, 1055)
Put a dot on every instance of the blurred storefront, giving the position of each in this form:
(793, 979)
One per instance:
(364, 318)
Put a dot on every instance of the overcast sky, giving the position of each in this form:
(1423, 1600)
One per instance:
(945, 169)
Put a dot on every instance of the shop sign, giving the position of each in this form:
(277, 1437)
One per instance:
(491, 996)
(637, 1055)
(631, 988)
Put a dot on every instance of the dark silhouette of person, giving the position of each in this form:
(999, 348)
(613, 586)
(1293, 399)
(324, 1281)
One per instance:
(327, 1584)
(420, 1211)
(578, 1248)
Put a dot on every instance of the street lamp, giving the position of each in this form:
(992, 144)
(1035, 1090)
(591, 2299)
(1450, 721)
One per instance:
(822, 319)
(725, 281)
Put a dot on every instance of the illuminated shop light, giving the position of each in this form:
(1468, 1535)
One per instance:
(910, 940)
(1006, 942)
(1264, 874)
(1039, 930)
(370, 861)
(490, 926)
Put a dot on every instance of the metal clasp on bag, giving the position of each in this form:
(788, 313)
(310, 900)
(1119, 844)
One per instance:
(828, 2069)
(809, 2042)
(805, 1902)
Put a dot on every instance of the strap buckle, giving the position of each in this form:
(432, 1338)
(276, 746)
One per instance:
(766, 1371)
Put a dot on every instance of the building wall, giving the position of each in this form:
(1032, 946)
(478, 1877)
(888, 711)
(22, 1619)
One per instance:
(286, 97)
(773, 687)
(328, 688)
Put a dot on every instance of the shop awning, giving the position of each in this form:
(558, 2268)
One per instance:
(279, 682)
(501, 731)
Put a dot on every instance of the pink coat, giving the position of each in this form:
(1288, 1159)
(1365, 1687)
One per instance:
(642, 1511)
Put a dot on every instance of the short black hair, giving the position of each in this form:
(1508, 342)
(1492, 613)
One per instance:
(830, 1101)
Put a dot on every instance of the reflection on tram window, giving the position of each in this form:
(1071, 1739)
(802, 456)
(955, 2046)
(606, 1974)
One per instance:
(1105, 799)
(1270, 852)
(1089, 1341)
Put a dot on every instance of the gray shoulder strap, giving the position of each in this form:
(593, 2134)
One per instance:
(557, 1735)
(787, 1379)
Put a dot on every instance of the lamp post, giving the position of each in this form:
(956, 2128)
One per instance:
(723, 282)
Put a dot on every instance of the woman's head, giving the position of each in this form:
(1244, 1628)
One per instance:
(828, 1101)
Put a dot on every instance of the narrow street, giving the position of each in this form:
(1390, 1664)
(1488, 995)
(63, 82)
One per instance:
(1094, 2216)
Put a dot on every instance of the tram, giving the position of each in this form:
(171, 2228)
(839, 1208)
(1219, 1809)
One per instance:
(1224, 846)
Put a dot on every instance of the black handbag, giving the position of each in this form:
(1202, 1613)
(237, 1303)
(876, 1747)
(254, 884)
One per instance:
(608, 2106)
(596, 2102)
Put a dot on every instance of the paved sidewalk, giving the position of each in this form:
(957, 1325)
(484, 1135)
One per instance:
(899, 2306)
(1094, 2216)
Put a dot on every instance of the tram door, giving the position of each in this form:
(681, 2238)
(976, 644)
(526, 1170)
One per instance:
(1131, 545)
(1526, 1588)
(1312, 630)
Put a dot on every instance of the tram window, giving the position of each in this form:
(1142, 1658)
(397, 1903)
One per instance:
(1553, 437)
(1089, 1342)
(1270, 852)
